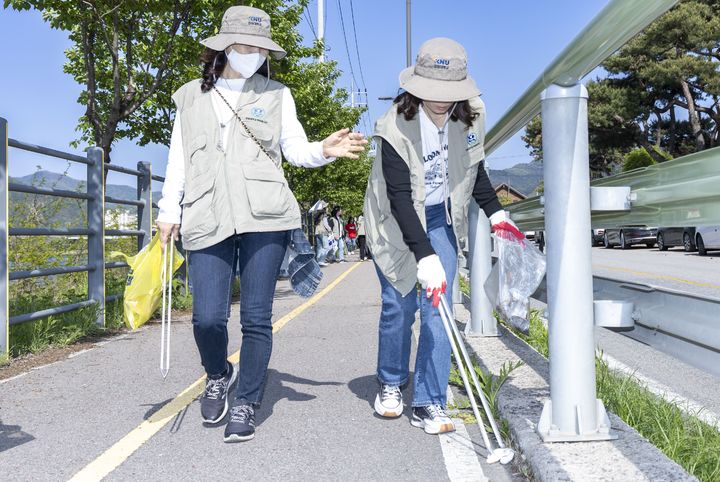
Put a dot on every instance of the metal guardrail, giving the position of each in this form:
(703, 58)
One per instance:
(573, 413)
(95, 230)
(679, 193)
(661, 319)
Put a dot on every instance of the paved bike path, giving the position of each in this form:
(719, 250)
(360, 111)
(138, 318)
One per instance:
(316, 421)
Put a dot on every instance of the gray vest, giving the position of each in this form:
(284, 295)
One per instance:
(240, 189)
(383, 234)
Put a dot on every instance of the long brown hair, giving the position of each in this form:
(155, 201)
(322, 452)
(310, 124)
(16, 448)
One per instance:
(408, 105)
(213, 62)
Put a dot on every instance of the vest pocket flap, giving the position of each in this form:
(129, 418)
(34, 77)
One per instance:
(198, 143)
(263, 172)
(197, 187)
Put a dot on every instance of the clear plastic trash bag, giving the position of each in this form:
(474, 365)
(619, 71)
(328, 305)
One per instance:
(516, 275)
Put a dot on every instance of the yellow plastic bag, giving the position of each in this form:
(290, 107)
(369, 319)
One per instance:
(143, 290)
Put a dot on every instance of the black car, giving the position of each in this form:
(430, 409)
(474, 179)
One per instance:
(671, 237)
(630, 235)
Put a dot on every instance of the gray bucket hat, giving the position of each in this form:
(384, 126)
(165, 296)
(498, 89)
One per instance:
(244, 25)
(440, 73)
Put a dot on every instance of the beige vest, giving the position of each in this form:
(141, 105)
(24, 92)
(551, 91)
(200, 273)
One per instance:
(240, 189)
(465, 152)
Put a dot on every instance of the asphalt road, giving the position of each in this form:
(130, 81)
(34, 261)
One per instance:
(675, 269)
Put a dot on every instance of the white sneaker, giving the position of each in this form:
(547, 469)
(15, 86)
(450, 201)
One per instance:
(388, 402)
(432, 419)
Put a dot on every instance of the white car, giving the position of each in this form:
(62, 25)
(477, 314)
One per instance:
(707, 238)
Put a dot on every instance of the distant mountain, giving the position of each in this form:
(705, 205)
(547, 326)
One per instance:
(523, 177)
(68, 214)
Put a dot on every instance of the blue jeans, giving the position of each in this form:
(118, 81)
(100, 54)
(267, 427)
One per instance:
(432, 362)
(321, 249)
(259, 256)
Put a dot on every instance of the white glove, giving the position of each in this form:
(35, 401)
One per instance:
(503, 227)
(431, 276)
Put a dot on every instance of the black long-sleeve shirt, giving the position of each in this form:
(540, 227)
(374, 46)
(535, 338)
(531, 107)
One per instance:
(399, 192)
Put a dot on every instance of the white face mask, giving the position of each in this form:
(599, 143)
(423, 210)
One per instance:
(245, 64)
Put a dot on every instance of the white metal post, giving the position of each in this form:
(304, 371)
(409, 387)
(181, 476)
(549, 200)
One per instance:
(321, 28)
(482, 321)
(573, 413)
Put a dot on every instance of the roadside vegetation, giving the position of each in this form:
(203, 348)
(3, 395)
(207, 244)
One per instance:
(677, 432)
(34, 294)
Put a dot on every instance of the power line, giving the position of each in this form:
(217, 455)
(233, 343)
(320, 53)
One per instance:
(347, 47)
(362, 76)
(308, 19)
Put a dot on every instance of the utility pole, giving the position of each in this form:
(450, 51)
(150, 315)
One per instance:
(321, 28)
(407, 34)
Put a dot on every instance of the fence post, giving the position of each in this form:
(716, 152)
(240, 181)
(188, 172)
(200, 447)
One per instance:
(482, 321)
(144, 193)
(573, 412)
(96, 225)
(4, 247)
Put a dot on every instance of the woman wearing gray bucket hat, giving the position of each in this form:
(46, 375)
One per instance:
(416, 206)
(226, 194)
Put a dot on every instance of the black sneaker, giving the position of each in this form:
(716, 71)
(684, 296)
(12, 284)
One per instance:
(214, 402)
(389, 402)
(241, 426)
(432, 419)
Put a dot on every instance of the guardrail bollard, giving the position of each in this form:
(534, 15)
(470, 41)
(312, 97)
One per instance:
(144, 193)
(4, 270)
(96, 225)
(482, 321)
(573, 412)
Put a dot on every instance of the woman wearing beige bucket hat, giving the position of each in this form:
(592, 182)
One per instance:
(416, 206)
(226, 194)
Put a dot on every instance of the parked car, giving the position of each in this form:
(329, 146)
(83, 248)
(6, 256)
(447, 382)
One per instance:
(628, 236)
(671, 237)
(597, 237)
(707, 238)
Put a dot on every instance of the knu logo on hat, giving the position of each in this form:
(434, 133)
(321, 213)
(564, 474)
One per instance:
(245, 26)
(440, 73)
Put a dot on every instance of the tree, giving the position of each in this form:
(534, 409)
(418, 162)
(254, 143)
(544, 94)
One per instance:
(661, 93)
(132, 55)
(636, 159)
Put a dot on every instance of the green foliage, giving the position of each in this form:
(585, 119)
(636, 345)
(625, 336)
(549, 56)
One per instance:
(636, 159)
(490, 385)
(661, 91)
(683, 437)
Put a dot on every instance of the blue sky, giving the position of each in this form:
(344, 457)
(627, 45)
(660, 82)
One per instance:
(509, 43)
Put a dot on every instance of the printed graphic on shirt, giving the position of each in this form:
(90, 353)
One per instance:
(434, 163)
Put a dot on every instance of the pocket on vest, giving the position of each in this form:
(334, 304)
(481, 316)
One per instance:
(267, 190)
(198, 217)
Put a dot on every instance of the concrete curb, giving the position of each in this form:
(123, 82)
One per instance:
(520, 402)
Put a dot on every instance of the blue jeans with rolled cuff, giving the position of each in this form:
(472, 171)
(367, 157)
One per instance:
(432, 361)
(212, 270)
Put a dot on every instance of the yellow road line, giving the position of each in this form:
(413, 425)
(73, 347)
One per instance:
(657, 276)
(126, 446)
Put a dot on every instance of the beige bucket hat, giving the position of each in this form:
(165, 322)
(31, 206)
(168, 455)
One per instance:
(440, 73)
(244, 25)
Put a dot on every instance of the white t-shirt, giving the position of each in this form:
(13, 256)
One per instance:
(293, 142)
(435, 157)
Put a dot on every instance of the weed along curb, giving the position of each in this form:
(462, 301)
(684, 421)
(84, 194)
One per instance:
(520, 402)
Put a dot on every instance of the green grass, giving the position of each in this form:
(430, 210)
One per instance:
(679, 434)
(491, 385)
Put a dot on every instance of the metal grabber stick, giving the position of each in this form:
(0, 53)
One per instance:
(502, 454)
(166, 316)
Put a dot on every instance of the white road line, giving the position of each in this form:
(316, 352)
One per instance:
(461, 460)
(685, 404)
